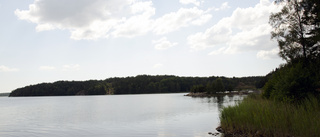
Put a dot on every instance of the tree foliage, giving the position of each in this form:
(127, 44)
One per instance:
(292, 82)
(198, 89)
(140, 84)
(219, 86)
(296, 28)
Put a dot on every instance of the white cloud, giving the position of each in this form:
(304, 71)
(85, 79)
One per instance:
(85, 19)
(257, 38)
(158, 65)
(247, 29)
(182, 18)
(202, 19)
(223, 6)
(195, 2)
(7, 69)
(264, 54)
(47, 68)
(136, 25)
(214, 36)
(71, 67)
(163, 44)
(94, 19)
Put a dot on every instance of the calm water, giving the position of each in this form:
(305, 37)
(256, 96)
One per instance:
(149, 115)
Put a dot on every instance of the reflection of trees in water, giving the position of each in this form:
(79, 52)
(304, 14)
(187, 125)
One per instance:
(220, 100)
(225, 100)
(230, 97)
(211, 100)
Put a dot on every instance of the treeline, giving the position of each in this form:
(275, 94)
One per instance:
(294, 81)
(140, 84)
(65, 88)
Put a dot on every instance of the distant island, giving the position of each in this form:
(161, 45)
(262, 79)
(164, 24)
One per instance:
(4, 94)
(141, 84)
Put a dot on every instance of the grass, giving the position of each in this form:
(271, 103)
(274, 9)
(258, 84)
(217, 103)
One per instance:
(256, 116)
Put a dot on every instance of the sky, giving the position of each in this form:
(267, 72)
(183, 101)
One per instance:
(51, 40)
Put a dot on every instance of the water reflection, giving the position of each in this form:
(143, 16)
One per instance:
(221, 101)
(125, 115)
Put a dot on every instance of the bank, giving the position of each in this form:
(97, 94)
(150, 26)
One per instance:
(205, 94)
(256, 116)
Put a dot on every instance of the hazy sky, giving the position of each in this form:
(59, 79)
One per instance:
(51, 40)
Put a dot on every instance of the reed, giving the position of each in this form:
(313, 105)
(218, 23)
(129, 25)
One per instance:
(256, 116)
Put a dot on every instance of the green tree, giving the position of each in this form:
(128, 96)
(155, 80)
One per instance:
(292, 82)
(219, 86)
(296, 28)
(198, 89)
(209, 88)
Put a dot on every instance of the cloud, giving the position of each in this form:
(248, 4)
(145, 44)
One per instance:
(247, 29)
(71, 67)
(136, 25)
(223, 6)
(268, 54)
(195, 2)
(95, 19)
(85, 19)
(182, 18)
(216, 35)
(202, 19)
(158, 65)
(47, 68)
(7, 69)
(163, 44)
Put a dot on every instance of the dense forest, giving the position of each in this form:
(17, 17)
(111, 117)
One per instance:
(140, 84)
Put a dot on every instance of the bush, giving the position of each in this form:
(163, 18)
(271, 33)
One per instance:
(292, 82)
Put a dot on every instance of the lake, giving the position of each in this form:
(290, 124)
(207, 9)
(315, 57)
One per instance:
(146, 115)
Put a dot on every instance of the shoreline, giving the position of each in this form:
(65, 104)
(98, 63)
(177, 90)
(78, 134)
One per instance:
(205, 94)
(230, 133)
(220, 130)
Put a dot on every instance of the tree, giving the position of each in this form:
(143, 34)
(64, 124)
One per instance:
(218, 86)
(296, 29)
(210, 88)
(198, 89)
(292, 82)
(312, 17)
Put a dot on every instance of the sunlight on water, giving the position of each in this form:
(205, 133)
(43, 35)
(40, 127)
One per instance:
(147, 115)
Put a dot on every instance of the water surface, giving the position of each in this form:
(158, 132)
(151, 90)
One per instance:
(162, 115)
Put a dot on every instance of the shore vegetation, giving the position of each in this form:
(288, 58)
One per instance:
(290, 102)
(256, 116)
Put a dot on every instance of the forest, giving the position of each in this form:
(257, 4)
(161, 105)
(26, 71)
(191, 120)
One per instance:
(141, 84)
(290, 102)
